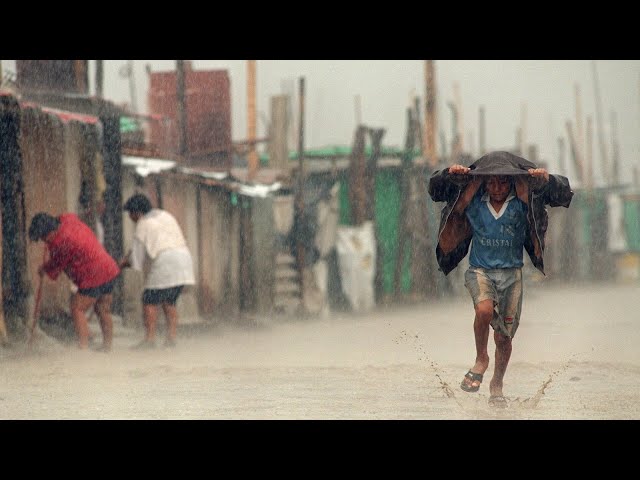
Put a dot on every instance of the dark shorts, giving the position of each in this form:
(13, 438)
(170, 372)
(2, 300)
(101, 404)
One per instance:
(95, 292)
(162, 295)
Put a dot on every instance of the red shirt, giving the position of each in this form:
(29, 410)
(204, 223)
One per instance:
(75, 249)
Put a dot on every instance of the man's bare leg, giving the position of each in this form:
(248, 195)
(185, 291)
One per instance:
(150, 313)
(79, 304)
(171, 315)
(103, 310)
(481, 325)
(503, 354)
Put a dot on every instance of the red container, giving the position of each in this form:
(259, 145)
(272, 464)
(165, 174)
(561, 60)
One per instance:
(208, 112)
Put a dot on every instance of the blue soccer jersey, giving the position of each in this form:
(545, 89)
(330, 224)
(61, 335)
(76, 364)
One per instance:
(498, 237)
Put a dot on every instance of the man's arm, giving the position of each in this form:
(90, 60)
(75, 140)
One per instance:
(444, 183)
(555, 188)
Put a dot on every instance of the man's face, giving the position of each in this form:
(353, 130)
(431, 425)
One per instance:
(498, 187)
(134, 216)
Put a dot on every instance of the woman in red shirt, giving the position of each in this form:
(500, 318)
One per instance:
(75, 250)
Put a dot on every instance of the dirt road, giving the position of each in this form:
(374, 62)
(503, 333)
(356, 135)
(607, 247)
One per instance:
(575, 356)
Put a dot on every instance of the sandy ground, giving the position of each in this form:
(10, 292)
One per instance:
(575, 356)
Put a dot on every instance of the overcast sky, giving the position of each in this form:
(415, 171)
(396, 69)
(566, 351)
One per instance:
(540, 91)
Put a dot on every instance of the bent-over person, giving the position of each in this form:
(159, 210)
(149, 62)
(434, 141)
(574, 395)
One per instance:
(160, 251)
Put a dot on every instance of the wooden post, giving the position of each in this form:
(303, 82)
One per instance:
(523, 129)
(132, 87)
(459, 120)
(299, 199)
(561, 162)
(357, 189)
(358, 110)
(278, 147)
(580, 140)
(430, 124)
(371, 173)
(615, 155)
(577, 161)
(252, 157)
(80, 69)
(588, 159)
(481, 128)
(601, 142)
(99, 78)
(181, 108)
(455, 143)
(418, 126)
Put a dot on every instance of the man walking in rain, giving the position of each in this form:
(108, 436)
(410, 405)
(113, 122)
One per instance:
(496, 206)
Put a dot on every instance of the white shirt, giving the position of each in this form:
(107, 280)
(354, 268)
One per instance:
(160, 252)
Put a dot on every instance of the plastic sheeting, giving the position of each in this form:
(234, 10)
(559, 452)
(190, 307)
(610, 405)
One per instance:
(357, 262)
(617, 240)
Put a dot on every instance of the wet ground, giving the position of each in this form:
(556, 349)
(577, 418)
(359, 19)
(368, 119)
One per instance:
(575, 357)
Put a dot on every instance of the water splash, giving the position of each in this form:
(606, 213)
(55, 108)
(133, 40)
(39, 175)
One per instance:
(424, 356)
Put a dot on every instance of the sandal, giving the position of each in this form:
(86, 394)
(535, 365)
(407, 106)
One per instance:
(474, 377)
